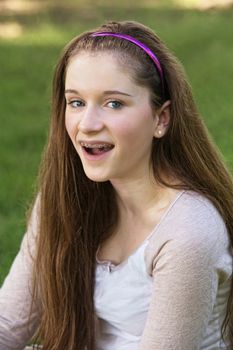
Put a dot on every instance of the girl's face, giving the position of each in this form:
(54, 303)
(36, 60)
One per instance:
(109, 119)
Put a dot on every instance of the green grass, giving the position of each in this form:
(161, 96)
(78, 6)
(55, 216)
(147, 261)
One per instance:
(201, 40)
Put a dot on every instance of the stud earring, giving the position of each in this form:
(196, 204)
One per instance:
(159, 132)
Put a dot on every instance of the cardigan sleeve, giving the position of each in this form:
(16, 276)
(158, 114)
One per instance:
(186, 271)
(16, 328)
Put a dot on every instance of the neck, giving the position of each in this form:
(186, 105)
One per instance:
(137, 196)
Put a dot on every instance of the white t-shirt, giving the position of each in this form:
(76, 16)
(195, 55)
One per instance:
(182, 269)
(170, 294)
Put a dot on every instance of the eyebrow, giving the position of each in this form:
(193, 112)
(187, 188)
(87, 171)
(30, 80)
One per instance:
(108, 92)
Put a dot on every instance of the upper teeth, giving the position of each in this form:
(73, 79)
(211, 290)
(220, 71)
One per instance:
(97, 145)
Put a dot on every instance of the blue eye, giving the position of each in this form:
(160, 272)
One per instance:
(115, 104)
(76, 103)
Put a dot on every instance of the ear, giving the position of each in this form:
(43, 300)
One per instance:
(162, 116)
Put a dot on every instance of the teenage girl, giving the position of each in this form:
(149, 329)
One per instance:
(129, 243)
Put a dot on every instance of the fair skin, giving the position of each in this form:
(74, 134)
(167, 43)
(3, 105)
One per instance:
(112, 125)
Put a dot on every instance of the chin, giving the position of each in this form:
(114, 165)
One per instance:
(96, 178)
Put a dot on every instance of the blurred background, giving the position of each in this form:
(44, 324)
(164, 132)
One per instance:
(32, 34)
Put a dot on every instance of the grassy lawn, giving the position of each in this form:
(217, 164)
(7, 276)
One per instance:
(201, 40)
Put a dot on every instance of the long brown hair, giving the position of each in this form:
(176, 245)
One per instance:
(77, 214)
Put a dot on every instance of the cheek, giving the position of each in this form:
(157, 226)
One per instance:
(69, 125)
(135, 130)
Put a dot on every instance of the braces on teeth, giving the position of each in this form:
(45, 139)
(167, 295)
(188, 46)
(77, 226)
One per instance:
(103, 145)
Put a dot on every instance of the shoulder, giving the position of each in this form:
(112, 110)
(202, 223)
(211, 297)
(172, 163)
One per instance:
(194, 214)
(30, 238)
(191, 230)
(192, 208)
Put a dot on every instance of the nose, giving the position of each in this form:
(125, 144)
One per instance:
(90, 120)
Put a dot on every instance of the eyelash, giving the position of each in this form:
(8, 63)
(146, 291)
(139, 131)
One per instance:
(120, 104)
(72, 102)
(81, 104)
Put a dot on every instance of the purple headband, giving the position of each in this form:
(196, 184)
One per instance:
(141, 45)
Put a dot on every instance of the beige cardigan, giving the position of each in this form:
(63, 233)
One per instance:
(190, 261)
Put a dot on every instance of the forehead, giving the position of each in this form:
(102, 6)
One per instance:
(100, 71)
(98, 58)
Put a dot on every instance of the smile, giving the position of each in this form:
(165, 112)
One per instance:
(97, 148)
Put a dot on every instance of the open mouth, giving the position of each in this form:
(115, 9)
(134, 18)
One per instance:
(97, 149)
